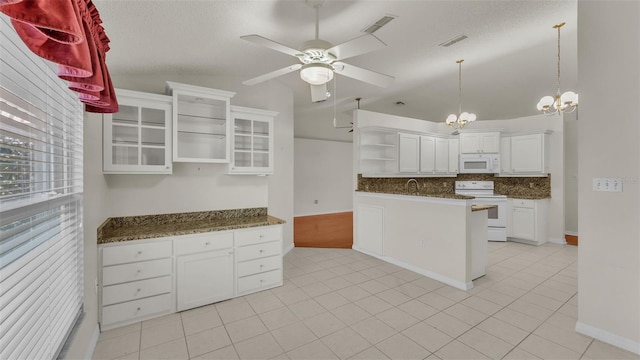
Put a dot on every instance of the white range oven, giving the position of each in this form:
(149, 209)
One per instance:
(483, 193)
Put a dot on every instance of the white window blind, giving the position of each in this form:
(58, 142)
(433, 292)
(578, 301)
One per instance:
(41, 285)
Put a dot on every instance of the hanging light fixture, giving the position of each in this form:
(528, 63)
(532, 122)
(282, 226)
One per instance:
(463, 118)
(567, 102)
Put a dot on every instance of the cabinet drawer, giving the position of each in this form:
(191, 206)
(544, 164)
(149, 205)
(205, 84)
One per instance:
(204, 242)
(524, 203)
(259, 251)
(259, 265)
(136, 309)
(258, 235)
(122, 254)
(135, 290)
(258, 281)
(136, 271)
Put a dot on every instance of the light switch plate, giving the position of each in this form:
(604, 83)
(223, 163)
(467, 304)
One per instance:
(607, 184)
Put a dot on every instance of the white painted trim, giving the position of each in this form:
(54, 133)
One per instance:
(435, 276)
(323, 213)
(572, 233)
(608, 337)
(560, 241)
(288, 248)
(93, 342)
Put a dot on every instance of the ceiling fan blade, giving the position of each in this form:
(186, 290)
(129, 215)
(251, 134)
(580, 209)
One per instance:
(360, 45)
(257, 39)
(271, 75)
(319, 93)
(361, 74)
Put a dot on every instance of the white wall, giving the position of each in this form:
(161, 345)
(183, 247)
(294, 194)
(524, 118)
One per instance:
(571, 210)
(191, 187)
(322, 172)
(609, 129)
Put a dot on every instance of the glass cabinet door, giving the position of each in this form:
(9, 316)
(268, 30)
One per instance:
(252, 142)
(137, 137)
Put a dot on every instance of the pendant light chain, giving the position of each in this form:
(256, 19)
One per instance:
(462, 118)
(558, 27)
(459, 86)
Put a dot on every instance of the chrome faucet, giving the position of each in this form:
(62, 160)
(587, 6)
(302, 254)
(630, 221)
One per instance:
(415, 182)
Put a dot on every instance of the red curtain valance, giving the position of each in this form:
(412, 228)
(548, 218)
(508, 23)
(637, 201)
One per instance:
(69, 33)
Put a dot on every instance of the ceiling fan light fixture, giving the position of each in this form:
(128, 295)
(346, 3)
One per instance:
(316, 73)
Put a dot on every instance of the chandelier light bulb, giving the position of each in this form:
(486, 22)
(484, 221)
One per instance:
(472, 117)
(451, 118)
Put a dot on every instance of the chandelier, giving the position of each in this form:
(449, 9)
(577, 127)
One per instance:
(566, 102)
(463, 118)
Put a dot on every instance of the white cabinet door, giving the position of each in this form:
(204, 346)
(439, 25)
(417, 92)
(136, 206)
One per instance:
(523, 223)
(137, 139)
(526, 153)
(252, 141)
(427, 154)
(454, 154)
(204, 278)
(470, 143)
(409, 153)
(505, 155)
(442, 156)
(490, 142)
(370, 234)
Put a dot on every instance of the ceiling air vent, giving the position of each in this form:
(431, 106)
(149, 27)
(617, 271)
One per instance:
(378, 24)
(453, 40)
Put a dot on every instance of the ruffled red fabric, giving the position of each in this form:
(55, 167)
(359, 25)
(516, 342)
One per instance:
(69, 33)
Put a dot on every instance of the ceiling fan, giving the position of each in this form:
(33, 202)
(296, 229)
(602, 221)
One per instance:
(319, 59)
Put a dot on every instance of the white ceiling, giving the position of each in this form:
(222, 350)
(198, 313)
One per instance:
(510, 53)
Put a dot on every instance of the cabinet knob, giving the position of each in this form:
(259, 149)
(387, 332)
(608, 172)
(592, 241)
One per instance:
(139, 271)
(138, 290)
(261, 251)
(140, 252)
(138, 309)
(261, 266)
(207, 243)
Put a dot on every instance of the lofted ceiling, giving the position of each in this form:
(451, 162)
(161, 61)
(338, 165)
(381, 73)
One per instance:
(510, 53)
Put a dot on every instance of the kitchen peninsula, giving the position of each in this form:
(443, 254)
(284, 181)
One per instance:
(441, 236)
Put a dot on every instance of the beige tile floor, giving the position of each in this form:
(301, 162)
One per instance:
(341, 304)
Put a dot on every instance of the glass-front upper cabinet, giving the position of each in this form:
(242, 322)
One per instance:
(137, 139)
(201, 125)
(252, 150)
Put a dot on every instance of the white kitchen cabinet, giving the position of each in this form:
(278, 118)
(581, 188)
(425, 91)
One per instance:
(201, 123)
(505, 155)
(434, 155)
(525, 154)
(370, 228)
(408, 153)
(454, 154)
(427, 154)
(137, 139)
(479, 142)
(378, 152)
(204, 269)
(258, 259)
(143, 279)
(252, 147)
(136, 282)
(527, 220)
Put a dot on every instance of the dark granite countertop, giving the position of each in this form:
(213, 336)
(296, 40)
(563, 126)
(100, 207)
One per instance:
(154, 226)
(434, 195)
(482, 207)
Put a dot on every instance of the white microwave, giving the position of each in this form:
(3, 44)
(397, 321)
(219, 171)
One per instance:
(479, 163)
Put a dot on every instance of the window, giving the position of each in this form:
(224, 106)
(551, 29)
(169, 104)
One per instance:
(41, 285)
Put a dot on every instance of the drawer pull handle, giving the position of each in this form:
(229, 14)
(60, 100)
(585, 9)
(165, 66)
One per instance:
(207, 243)
(139, 271)
(140, 252)
(138, 309)
(261, 236)
(261, 266)
(138, 290)
(261, 251)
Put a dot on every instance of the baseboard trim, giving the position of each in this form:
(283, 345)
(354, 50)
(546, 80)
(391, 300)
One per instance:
(288, 248)
(560, 241)
(608, 337)
(443, 279)
(93, 343)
